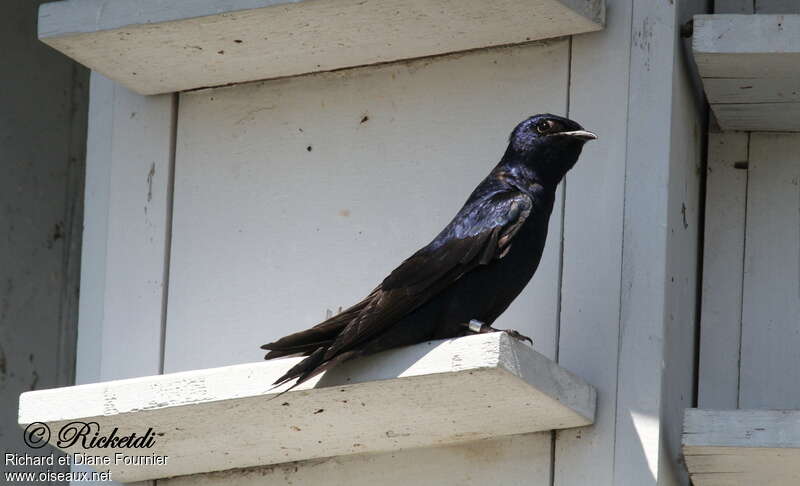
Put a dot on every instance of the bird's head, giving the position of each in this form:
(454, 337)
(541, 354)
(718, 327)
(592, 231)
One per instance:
(548, 145)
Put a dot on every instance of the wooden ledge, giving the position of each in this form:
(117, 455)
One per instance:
(742, 447)
(750, 67)
(158, 46)
(435, 393)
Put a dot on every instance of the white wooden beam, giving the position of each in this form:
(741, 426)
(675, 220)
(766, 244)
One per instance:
(757, 116)
(436, 393)
(590, 291)
(742, 447)
(128, 202)
(153, 46)
(125, 238)
(750, 66)
(723, 256)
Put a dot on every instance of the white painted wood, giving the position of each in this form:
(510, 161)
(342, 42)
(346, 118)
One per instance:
(645, 249)
(517, 458)
(723, 257)
(128, 170)
(771, 305)
(750, 65)
(777, 6)
(774, 117)
(681, 285)
(153, 47)
(742, 447)
(590, 291)
(747, 46)
(125, 233)
(732, 90)
(434, 393)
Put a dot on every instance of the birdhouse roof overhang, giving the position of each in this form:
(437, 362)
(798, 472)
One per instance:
(157, 46)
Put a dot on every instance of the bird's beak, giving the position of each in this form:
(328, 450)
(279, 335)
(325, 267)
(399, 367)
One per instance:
(581, 134)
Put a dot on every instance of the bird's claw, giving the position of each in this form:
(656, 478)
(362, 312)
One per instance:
(479, 327)
(516, 335)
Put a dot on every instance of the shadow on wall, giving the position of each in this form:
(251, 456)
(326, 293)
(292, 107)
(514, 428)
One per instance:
(44, 99)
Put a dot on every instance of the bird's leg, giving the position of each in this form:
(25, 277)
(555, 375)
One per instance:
(479, 327)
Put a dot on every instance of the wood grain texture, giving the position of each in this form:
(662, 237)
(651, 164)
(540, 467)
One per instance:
(129, 157)
(521, 458)
(177, 46)
(435, 393)
(750, 66)
(744, 90)
(723, 257)
(590, 291)
(765, 117)
(742, 447)
(771, 304)
(644, 309)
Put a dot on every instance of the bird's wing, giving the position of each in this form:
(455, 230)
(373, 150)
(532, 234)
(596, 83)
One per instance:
(479, 234)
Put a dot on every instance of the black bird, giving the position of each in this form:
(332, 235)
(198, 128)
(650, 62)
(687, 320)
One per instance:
(469, 274)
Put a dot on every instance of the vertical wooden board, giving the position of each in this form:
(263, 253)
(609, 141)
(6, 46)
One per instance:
(643, 310)
(720, 322)
(91, 304)
(592, 244)
(733, 6)
(293, 197)
(770, 363)
(136, 243)
(123, 262)
(777, 6)
(682, 284)
(521, 460)
(125, 234)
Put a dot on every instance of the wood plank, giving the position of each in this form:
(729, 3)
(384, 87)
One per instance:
(649, 204)
(122, 269)
(121, 304)
(139, 185)
(732, 90)
(590, 291)
(723, 257)
(682, 283)
(153, 46)
(771, 305)
(775, 117)
(747, 46)
(519, 457)
(435, 393)
(742, 447)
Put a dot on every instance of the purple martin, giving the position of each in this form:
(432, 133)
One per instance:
(469, 274)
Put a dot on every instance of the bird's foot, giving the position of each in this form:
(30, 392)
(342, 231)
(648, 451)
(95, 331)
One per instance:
(479, 327)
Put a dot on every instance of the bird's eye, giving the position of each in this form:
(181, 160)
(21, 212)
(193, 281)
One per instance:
(544, 126)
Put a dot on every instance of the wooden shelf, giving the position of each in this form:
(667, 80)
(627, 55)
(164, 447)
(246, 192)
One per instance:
(750, 66)
(158, 46)
(742, 447)
(436, 393)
